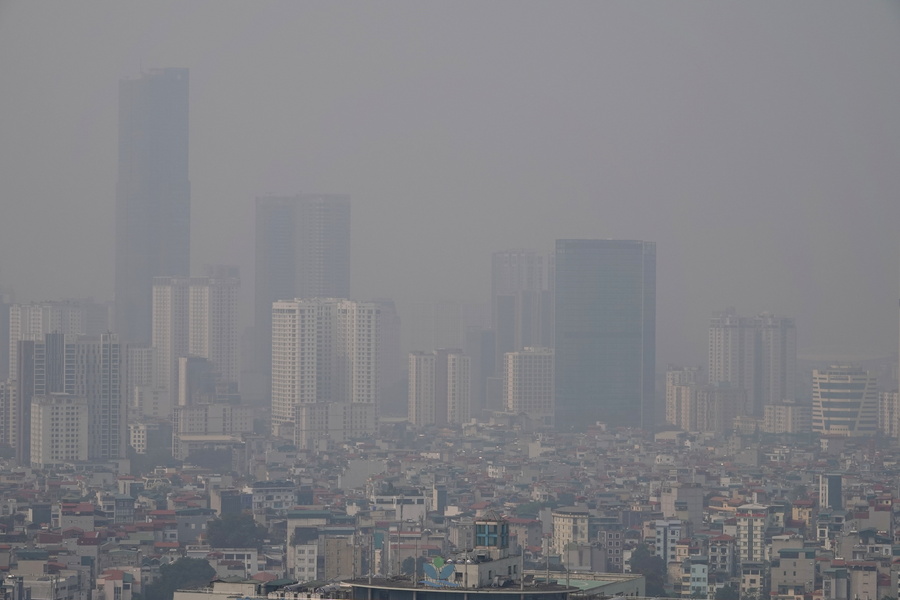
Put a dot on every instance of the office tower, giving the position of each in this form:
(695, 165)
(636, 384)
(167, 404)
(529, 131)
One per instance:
(53, 445)
(153, 194)
(324, 351)
(528, 385)
(32, 321)
(7, 413)
(195, 316)
(757, 354)
(302, 251)
(6, 301)
(845, 401)
(605, 304)
(517, 287)
(439, 388)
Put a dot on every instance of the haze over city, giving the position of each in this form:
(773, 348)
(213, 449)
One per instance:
(755, 143)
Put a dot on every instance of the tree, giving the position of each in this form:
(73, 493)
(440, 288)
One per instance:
(235, 531)
(653, 568)
(407, 566)
(184, 573)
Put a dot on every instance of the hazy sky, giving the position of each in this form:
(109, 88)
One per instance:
(756, 142)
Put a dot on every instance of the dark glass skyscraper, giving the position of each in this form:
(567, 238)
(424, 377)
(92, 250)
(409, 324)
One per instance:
(153, 194)
(605, 332)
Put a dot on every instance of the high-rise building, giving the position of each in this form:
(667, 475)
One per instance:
(439, 387)
(831, 494)
(528, 385)
(95, 371)
(34, 320)
(324, 350)
(845, 401)
(757, 354)
(302, 251)
(517, 296)
(86, 367)
(605, 332)
(153, 194)
(195, 316)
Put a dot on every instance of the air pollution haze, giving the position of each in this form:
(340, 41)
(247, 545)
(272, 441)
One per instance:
(758, 144)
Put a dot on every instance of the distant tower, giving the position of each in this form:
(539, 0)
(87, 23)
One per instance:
(153, 194)
(517, 286)
(758, 355)
(439, 387)
(302, 251)
(605, 305)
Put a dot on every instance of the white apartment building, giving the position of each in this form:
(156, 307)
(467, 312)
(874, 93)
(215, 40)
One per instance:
(195, 316)
(528, 383)
(59, 430)
(324, 350)
(752, 522)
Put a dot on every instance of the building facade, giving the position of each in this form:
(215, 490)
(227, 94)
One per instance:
(845, 402)
(324, 350)
(758, 355)
(528, 384)
(153, 194)
(59, 430)
(439, 388)
(605, 332)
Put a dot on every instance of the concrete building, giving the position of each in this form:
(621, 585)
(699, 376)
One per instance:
(680, 381)
(570, 526)
(787, 416)
(153, 194)
(214, 420)
(753, 522)
(757, 354)
(528, 384)
(439, 387)
(845, 402)
(605, 333)
(59, 430)
(324, 350)
(195, 316)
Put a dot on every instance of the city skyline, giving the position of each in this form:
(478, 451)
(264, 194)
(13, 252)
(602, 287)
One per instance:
(759, 198)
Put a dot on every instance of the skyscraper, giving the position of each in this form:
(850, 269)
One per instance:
(605, 305)
(757, 354)
(302, 251)
(153, 194)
